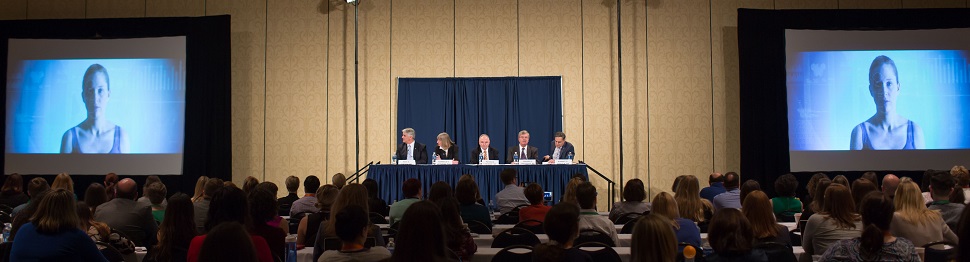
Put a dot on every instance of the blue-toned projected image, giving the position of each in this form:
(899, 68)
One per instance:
(103, 106)
(881, 100)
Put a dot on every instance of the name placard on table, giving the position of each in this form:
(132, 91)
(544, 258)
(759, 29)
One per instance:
(527, 162)
(564, 162)
(406, 162)
(489, 162)
(443, 162)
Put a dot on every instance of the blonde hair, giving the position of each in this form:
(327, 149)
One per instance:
(55, 212)
(910, 205)
(653, 240)
(199, 188)
(445, 139)
(691, 205)
(664, 204)
(63, 180)
(757, 208)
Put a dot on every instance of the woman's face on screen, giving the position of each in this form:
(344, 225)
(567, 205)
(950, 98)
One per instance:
(96, 95)
(884, 88)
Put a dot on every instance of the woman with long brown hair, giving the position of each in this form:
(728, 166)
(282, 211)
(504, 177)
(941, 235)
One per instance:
(176, 231)
(691, 205)
(685, 229)
(53, 233)
(653, 240)
(837, 220)
(757, 208)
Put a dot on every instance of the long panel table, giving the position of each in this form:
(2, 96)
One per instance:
(551, 177)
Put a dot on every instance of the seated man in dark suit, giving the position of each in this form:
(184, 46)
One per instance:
(410, 149)
(560, 148)
(127, 215)
(524, 150)
(483, 146)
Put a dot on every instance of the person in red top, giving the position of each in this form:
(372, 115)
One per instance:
(229, 204)
(537, 209)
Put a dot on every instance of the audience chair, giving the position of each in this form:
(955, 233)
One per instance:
(777, 252)
(514, 254)
(478, 227)
(623, 219)
(509, 218)
(376, 218)
(534, 226)
(628, 227)
(284, 209)
(939, 251)
(515, 237)
(134, 233)
(599, 251)
(111, 253)
(593, 235)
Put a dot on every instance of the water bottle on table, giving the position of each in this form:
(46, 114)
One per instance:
(570, 157)
(6, 232)
(480, 157)
(291, 248)
(394, 159)
(515, 157)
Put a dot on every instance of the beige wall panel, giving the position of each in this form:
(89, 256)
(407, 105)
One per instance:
(13, 9)
(806, 4)
(296, 103)
(486, 43)
(726, 89)
(162, 8)
(634, 91)
(248, 64)
(935, 3)
(55, 9)
(680, 97)
(341, 154)
(423, 38)
(598, 147)
(375, 82)
(869, 4)
(115, 8)
(758, 4)
(216, 7)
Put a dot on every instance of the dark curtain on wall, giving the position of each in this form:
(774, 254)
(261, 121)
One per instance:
(468, 107)
(761, 50)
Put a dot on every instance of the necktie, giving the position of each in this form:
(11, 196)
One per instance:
(555, 155)
(523, 155)
(485, 154)
(411, 152)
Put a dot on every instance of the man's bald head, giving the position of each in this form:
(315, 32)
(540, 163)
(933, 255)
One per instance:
(889, 184)
(127, 189)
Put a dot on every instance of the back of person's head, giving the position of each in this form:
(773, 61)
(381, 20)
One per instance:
(757, 208)
(13, 184)
(199, 188)
(689, 201)
(813, 182)
(249, 184)
(351, 195)
(633, 190)
(877, 214)
(842, 180)
(961, 174)
(95, 195)
(421, 237)
(569, 196)
(732, 180)
(351, 223)
(127, 189)
(840, 206)
(37, 185)
(748, 187)
(872, 177)
(653, 240)
(466, 192)
(56, 212)
(339, 180)
(664, 204)
(311, 184)
(63, 180)
(84, 214)
(508, 176)
(292, 184)
(228, 241)
(925, 182)
(533, 192)
(110, 180)
(439, 190)
(818, 198)
(673, 188)
(941, 185)
(229, 204)
(562, 226)
(372, 188)
(156, 193)
(262, 206)
(889, 184)
(910, 206)
(411, 188)
(211, 186)
(586, 195)
(786, 185)
(860, 188)
(730, 233)
(451, 221)
(177, 228)
(715, 178)
(326, 195)
(269, 186)
(152, 179)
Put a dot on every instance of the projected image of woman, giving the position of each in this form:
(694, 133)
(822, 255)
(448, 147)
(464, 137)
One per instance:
(886, 130)
(95, 135)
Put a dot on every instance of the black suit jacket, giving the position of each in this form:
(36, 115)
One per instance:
(420, 153)
(533, 153)
(492, 154)
(563, 152)
(452, 153)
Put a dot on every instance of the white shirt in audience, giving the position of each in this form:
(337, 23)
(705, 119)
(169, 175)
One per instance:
(590, 219)
(511, 197)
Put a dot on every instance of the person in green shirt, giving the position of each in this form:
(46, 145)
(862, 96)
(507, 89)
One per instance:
(786, 204)
(156, 194)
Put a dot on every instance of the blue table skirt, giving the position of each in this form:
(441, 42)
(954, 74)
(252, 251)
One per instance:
(551, 177)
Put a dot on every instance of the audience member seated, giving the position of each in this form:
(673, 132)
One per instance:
(941, 186)
(249, 184)
(202, 206)
(512, 195)
(747, 187)
(653, 240)
(421, 236)
(786, 204)
(229, 205)
(262, 209)
(537, 209)
(889, 184)
(836, 221)
(307, 204)
(176, 231)
(914, 221)
(716, 180)
(589, 218)
(569, 195)
(633, 196)
(100, 232)
(810, 189)
(817, 203)
(374, 202)
(732, 239)
(877, 243)
(277, 220)
(351, 195)
(458, 237)
(757, 209)
(924, 186)
(860, 188)
(306, 232)
(962, 176)
(352, 228)
(125, 214)
(339, 180)
(963, 232)
(841, 180)
(24, 216)
(562, 227)
(872, 177)
(111, 185)
(64, 181)
(144, 198)
(412, 191)
(95, 195)
(52, 233)
(439, 190)
(292, 184)
(478, 196)
(691, 205)
(685, 230)
(12, 192)
(228, 242)
(200, 189)
(34, 187)
(732, 197)
(156, 192)
(471, 210)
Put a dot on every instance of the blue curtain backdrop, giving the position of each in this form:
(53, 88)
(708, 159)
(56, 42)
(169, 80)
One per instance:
(468, 107)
